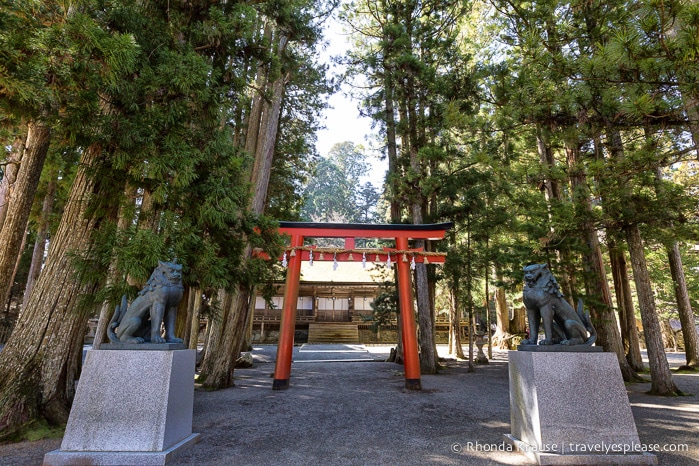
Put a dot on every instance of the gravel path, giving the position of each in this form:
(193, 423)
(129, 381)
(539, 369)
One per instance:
(345, 407)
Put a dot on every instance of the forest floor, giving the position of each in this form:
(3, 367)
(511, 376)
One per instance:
(346, 406)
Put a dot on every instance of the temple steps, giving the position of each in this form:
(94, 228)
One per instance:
(333, 333)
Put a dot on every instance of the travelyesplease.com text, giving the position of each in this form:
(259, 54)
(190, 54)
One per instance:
(568, 448)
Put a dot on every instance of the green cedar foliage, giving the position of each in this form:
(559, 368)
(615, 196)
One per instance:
(168, 140)
(334, 192)
(295, 149)
(176, 136)
(587, 73)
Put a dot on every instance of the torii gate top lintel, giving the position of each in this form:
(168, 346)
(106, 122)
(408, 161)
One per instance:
(431, 231)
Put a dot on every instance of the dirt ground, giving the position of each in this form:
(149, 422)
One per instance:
(346, 407)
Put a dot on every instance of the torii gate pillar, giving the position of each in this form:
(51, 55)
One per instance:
(282, 368)
(411, 359)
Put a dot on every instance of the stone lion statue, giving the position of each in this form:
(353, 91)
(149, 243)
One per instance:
(156, 304)
(545, 303)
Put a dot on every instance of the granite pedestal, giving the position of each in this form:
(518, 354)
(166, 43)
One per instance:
(572, 408)
(131, 407)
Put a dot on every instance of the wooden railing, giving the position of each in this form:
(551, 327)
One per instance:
(306, 316)
(275, 315)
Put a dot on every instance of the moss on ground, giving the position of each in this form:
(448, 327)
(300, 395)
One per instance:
(37, 430)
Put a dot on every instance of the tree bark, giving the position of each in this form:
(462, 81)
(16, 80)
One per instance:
(41, 238)
(601, 305)
(218, 373)
(469, 294)
(518, 325)
(246, 339)
(217, 369)
(148, 219)
(428, 354)
(196, 313)
(215, 334)
(471, 333)
(661, 377)
(602, 315)
(12, 277)
(9, 177)
(191, 294)
(254, 119)
(20, 203)
(455, 347)
(263, 158)
(627, 316)
(412, 143)
(390, 120)
(399, 344)
(42, 357)
(502, 334)
(669, 340)
(684, 307)
(393, 176)
(182, 315)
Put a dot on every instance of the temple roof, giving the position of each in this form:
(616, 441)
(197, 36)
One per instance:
(346, 272)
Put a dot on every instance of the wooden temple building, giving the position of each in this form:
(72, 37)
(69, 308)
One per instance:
(332, 306)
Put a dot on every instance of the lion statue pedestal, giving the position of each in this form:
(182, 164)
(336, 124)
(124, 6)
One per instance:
(572, 408)
(135, 397)
(131, 407)
(568, 402)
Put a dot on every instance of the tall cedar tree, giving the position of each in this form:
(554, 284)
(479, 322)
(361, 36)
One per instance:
(160, 128)
(404, 46)
(622, 89)
(283, 28)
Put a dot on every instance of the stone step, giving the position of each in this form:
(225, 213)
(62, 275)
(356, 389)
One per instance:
(333, 333)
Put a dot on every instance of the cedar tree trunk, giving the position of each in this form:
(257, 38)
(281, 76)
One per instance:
(9, 177)
(41, 361)
(661, 377)
(41, 238)
(455, 347)
(684, 307)
(196, 312)
(603, 319)
(219, 362)
(627, 316)
(108, 308)
(19, 204)
(218, 367)
(214, 332)
(428, 353)
(502, 334)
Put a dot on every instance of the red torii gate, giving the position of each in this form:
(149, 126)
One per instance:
(298, 231)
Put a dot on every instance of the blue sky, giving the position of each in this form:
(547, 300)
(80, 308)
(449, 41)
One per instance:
(342, 120)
